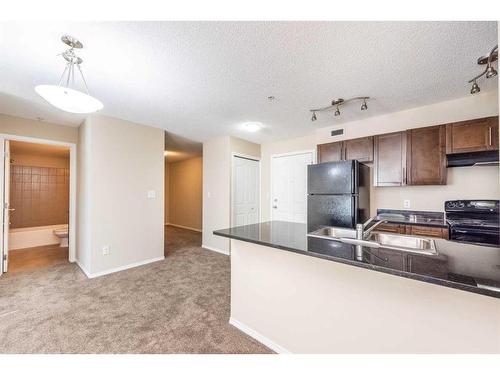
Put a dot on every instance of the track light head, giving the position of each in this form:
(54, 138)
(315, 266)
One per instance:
(337, 111)
(475, 88)
(314, 118)
(364, 106)
(491, 72)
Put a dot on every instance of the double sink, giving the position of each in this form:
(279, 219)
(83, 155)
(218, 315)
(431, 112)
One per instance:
(377, 239)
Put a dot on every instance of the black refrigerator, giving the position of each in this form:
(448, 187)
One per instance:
(338, 194)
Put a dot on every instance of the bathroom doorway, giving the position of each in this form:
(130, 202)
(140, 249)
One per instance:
(38, 200)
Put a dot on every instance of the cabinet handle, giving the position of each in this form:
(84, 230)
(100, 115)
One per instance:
(404, 175)
(489, 136)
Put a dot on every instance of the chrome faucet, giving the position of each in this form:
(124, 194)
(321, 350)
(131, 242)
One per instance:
(363, 233)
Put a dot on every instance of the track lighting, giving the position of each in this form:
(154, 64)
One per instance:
(336, 103)
(475, 88)
(489, 72)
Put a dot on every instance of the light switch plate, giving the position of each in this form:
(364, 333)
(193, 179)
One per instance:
(105, 250)
(406, 203)
(151, 194)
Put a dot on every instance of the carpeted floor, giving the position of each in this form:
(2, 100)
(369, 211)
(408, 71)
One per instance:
(179, 305)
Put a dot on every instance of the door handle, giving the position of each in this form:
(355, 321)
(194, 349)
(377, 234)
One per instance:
(11, 209)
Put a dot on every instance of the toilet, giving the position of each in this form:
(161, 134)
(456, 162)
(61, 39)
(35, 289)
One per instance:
(62, 233)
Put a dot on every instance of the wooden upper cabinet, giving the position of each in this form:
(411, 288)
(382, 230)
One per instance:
(360, 149)
(389, 168)
(426, 157)
(471, 136)
(330, 152)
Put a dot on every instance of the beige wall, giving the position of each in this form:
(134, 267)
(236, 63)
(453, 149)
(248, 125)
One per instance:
(119, 163)
(166, 187)
(475, 182)
(37, 129)
(217, 186)
(185, 193)
(353, 310)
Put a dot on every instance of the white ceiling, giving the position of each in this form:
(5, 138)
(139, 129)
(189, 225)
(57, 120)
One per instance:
(203, 79)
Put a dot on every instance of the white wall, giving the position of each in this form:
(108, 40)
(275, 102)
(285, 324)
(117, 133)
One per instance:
(119, 162)
(217, 186)
(476, 182)
(353, 310)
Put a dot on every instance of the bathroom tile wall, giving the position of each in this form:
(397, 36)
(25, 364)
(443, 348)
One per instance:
(39, 195)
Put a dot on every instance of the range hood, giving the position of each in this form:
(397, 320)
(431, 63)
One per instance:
(468, 159)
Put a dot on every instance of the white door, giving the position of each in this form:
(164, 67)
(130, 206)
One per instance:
(246, 197)
(289, 187)
(6, 208)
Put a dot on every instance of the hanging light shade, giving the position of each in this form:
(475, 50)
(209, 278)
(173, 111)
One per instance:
(64, 97)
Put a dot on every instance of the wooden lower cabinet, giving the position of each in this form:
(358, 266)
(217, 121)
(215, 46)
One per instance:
(414, 230)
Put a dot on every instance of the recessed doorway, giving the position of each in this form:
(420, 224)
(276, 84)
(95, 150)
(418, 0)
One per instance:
(38, 197)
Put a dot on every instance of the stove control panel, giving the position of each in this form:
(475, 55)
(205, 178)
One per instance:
(472, 205)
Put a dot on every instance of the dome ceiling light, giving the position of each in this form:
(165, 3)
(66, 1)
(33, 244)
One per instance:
(64, 97)
(489, 72)
(336, 103)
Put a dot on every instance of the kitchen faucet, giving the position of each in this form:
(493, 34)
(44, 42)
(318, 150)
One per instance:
(362, 232)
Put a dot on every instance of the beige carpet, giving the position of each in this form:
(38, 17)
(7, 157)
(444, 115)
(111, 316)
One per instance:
(179, 305)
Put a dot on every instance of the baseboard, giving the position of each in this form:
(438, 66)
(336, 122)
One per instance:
(225, 252)
(183, 227)
(118, 269)
(257, 336)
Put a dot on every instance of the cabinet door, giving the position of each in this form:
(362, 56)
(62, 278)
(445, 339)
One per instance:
(390, 159)
(392, 228)
(360, 149)
(329, 152)
(426, 157)
(474, 135)
(420, 230)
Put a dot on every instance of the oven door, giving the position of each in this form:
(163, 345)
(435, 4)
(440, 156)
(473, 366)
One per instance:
(475, 235)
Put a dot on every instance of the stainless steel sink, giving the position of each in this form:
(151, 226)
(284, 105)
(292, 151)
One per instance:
(333, 232)
(404, 243)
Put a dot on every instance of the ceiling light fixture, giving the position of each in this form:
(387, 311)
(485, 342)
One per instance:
(252, 126)
(61, 95)
(489, 72)
(336, 103)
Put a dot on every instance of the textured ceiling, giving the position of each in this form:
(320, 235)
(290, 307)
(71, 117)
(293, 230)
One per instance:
(203, 79)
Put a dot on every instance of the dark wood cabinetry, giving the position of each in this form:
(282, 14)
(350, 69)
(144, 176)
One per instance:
(426, 157)
(414, 230)
(472, 136)
(360, 149)
(329, 152)
(389, 168)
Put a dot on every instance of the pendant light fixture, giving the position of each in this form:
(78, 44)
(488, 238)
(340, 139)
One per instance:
(64, 97)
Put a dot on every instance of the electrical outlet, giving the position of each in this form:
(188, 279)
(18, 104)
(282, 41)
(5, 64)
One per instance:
(105, 250)
(406, 203)
(151, 194)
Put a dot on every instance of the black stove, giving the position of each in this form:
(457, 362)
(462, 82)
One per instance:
(474, 221)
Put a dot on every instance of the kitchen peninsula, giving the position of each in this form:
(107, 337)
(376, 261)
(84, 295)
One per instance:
(418, 303)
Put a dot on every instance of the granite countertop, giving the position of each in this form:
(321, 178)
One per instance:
(467, 267)
(424, 218)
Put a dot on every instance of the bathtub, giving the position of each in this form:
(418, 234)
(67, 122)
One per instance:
(20, 238)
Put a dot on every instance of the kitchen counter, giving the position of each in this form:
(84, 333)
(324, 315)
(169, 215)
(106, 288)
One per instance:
(471, 268)
(423, 218)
